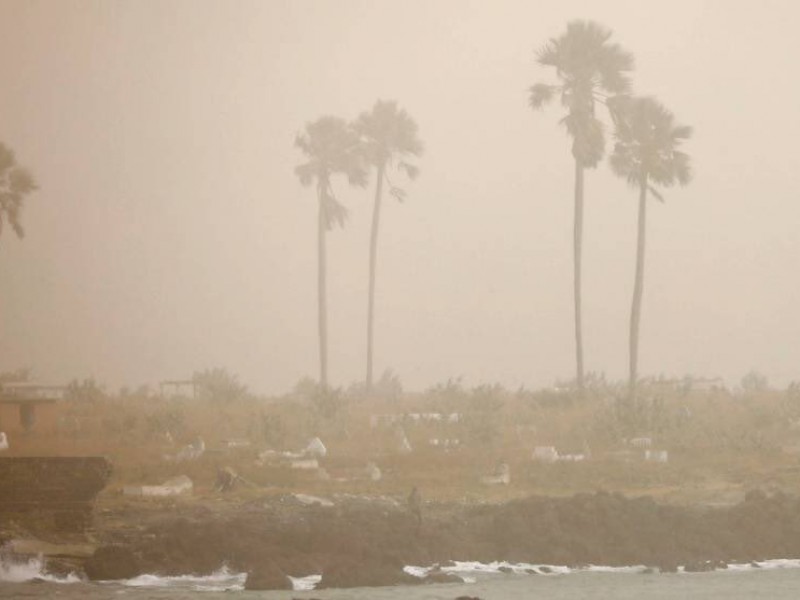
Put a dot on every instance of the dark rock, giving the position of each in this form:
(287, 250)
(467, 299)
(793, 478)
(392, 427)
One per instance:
(668, 566)
(112, 562)
(505, 569)
(442, 577)
(348, 572)
(267, 576)
(700, 566)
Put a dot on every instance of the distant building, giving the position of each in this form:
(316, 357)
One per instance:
(26, 407)
(697, 384)
(182, 387)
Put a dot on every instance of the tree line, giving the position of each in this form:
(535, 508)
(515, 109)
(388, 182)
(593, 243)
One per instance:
(592, 77)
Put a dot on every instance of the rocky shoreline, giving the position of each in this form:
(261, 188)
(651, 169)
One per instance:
(367, 541)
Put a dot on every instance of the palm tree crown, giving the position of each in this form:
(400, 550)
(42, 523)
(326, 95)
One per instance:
(389, 134)
(15, 183)
(646, 146)
(589, 69)
(332, 147)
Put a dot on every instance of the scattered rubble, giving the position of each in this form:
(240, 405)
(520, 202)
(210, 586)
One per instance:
(316, 448)
(501, 476)
(304, 463)
(373, 472)
(546, 454)
(172, 487)
(659, 456)
(309, 500)
(189, 452)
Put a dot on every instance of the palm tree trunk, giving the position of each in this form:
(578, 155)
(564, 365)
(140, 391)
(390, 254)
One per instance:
(373, 255)
(636, 308)
(578, 242)
(321, 290)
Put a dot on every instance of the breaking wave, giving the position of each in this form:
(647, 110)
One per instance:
(220, 580)
(467, 570)
(16, 570)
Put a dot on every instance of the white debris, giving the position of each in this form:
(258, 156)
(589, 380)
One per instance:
(172, 487)
(453, 417)
(305, 463)
(236, 443)
(501, 476)
(546, 454)
(641, 442)
(445, 443)
(659, 456)
(192, 451)
(309, 500)
(571, 457)
(373, 471)
(316, 448)
(3, 441)
(403, 445)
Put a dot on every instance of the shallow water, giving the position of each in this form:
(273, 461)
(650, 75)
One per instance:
(775, 579)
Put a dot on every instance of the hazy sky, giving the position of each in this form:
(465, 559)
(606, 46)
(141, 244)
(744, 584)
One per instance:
(171, 235)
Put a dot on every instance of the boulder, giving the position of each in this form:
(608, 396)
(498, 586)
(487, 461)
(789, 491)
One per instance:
(112, 562)
(267, 576)
(349, 572)
(442, 577)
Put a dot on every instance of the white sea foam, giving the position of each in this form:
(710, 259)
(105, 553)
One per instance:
(305, 584)
(16, 570)
(468, 569)
(219, 581)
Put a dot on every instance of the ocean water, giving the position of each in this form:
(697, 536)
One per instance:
(777, 579)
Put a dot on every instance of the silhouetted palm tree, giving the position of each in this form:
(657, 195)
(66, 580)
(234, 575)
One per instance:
(15, 183)
(589, 70)
(646, 153)
(389, 137)
(331, 147)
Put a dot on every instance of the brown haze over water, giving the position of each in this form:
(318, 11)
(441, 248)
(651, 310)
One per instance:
(170, 233)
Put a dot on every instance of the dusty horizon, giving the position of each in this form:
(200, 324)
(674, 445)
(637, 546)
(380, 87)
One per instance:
(170, 234)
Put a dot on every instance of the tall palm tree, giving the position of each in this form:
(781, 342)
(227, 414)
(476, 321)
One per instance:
(389, 138)
(589, 69)
(15, 183)
(331, 147)
(646, 154)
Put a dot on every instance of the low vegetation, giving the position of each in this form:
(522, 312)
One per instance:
(719, 443)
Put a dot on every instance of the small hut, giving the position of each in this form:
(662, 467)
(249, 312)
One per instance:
(25, 407)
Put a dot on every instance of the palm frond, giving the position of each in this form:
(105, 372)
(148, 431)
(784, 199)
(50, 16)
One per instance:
(397, 193)
(548, 55)
(656, 194)
(20, 181)
(411, 171)
(7, 159)
(334, 212)
(541, 94)
(306, 173)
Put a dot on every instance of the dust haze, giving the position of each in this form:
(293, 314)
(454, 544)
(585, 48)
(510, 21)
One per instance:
(170, 233)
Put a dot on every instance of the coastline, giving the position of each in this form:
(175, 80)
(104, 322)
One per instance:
(370, 541)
